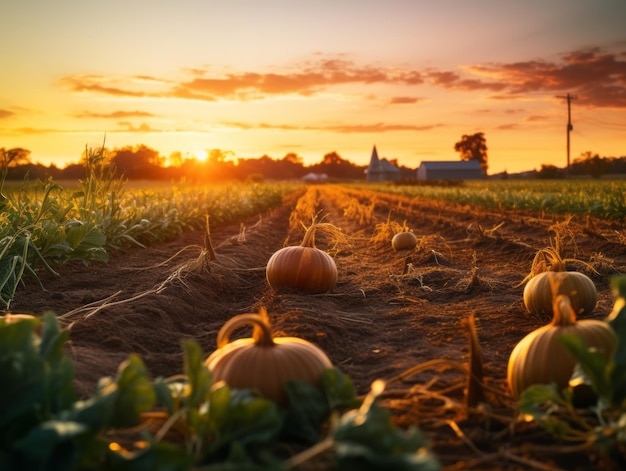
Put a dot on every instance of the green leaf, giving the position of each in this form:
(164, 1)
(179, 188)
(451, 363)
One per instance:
(165, 394)
(307, 411)
(40, 443)
(541, 402)
(247, 418)
(592, 362)
(339, 390)
(198, 374)
(134, 393)
(618, 323)
(368, 440)
(159, 456)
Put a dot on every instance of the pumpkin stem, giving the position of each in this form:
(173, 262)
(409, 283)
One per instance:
(309, 236)
(563, 312)
(262, 333)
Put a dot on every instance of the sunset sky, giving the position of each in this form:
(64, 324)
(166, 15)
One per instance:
(312, 77)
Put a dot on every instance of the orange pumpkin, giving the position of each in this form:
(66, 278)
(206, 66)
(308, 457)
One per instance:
(303, 267)
(264, 362)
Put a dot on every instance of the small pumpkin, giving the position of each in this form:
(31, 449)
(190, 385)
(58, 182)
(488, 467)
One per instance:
(540, 358)
(303, 267)
(405, 240)
(549, 277)
(264, 362)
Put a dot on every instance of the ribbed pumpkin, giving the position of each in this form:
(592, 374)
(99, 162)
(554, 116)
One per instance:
(540, 358)
(302, 267)
(404, 241)
(264, 362)
(549, 277)
(541, 289)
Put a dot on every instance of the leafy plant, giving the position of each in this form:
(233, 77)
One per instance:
(180, 423)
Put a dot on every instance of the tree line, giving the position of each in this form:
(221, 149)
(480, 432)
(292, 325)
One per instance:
(141, 162)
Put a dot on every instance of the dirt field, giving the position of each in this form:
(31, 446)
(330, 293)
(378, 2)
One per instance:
(389, 312)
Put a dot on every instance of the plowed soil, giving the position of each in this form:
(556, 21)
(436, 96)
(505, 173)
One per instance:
(389, 312)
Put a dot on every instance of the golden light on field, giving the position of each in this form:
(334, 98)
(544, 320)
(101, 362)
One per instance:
(411, 77)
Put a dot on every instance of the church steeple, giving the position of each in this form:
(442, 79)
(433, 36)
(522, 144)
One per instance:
(374, 160)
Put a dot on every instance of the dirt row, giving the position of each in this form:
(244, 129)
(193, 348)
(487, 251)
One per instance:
(391, 311)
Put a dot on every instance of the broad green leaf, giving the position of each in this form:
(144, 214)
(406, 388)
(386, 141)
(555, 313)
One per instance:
(41, 442)
(159, 456)
(198, 374)
(306, 412)
(355, 457)
(339, 390)
(592, 362)
(540, 402)
(165, 395)
(134, 393)
(250, 419)
(618, 323)
(368, 440)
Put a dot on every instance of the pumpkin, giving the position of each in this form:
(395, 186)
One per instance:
(404, 241)
(263, 362)
(540, 358)
(541, 289)
(549, 277)
(302, 267)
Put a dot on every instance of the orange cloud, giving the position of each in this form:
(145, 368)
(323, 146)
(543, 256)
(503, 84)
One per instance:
(599, 79)
(95, 84)
(6, 114)
(404, 100)
(128, 127)
(358, 128)
(115, 114)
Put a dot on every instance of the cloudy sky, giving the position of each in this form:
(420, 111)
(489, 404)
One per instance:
(312, 77)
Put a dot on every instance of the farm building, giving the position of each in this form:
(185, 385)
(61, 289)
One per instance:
(450, 170)
(380, 170)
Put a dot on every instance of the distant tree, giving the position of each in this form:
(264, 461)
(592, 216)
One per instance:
(336, 167)
(14, 157)
(592, 164)
(139, 161)
(473, 147)
(549, 172)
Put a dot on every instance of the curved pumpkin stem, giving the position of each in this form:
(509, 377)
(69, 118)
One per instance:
(262, 333)
(309, 236)
(564, 314)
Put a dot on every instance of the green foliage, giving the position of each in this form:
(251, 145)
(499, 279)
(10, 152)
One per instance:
(200, 424)
(44, 224)
(604, 199)
(366, 439)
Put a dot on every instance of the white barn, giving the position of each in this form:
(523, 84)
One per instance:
(450, 170)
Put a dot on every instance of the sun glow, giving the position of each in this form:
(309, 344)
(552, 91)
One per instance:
(201, 155)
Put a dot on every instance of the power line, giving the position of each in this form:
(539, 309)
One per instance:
(569, 99)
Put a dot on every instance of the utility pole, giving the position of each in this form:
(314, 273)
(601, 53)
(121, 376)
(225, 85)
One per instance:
(569, 99)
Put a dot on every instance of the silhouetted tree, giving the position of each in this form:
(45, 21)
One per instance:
(473, 147)
(591, 164)
(550, 172)
(138, 162)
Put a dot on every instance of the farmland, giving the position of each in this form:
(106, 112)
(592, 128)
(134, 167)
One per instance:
(390, 313)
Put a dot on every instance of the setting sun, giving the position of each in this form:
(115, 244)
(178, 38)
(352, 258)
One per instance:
(201, 155)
